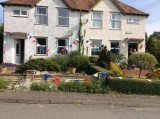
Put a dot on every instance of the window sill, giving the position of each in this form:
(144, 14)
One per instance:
(41, 24)
(96, 28)
(21, 16)
(133, 23)
(62, 25)
(40, 54)
(115, 29)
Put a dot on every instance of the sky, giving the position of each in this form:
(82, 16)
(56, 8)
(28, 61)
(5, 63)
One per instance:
(148, 6)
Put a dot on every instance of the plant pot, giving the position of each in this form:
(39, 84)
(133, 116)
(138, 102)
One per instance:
(72, 70)
(3, 69)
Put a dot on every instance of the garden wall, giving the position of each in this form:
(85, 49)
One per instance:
(135, 72)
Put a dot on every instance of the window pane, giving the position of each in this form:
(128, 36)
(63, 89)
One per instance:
(63, 12)
(63, 21)
(96, 23)
(41, 41)
(97, 15)
(42, 20)
(96, 43)
(41, 50)
(132, 20)
(116, 24)
(42, 11)
(61, 42)
(16, 12)
(17, 49)
(116, 16)
(24, 13)
(114, 44)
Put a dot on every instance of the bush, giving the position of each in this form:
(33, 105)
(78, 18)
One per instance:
(155, 74)
(94, 69)
(3, 84)
(116, 69)
(84, 87)
(134, 87)
(44, 86)
(93, 59)
(62, 61)
(39, 64)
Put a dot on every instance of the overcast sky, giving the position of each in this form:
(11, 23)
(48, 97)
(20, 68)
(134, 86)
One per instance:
(149, 6)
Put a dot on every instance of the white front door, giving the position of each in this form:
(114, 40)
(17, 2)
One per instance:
(17, 51)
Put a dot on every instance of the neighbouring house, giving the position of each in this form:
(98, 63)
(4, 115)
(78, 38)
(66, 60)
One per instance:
(45, 28)
(156, 35)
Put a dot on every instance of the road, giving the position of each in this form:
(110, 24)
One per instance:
(39, 111)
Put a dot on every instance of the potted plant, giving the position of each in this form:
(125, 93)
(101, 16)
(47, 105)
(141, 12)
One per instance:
(3, 68)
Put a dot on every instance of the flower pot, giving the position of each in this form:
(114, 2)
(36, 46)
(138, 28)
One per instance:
(3, 69)
(72, 70)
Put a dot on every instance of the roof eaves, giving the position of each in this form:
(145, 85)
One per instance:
(119, 7)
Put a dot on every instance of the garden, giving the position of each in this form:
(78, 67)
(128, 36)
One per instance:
(102, 73)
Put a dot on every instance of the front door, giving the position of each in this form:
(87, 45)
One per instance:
(132, 47)
(17, 51)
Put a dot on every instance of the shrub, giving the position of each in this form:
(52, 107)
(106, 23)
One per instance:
(74, 54)
(39, 64)
(94, 69)
(62, 61)
(116, 69)
(134, 87)
(155, 74)
(3, 84)
(84, 87)
(43, 86)
(93, 59)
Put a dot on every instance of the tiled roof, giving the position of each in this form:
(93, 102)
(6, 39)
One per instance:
(84, 5)
(21, 2)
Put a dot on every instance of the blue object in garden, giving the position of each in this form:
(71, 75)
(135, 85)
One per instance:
(104, 74)
(76, 81)
(158, 81)
(46, 76)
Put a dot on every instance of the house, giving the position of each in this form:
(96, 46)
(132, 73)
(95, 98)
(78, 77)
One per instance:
(45, 28)
(156, 35)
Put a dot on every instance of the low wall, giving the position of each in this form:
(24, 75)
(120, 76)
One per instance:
(135, 72)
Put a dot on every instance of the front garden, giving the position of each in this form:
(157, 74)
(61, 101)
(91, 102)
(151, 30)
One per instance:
(78, 73)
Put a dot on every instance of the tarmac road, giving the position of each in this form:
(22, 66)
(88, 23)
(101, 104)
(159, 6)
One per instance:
(51, 111)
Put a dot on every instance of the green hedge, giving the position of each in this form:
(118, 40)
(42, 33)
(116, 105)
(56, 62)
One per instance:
(3, 84)
(94, 69)
(84, 87)
(134, 87)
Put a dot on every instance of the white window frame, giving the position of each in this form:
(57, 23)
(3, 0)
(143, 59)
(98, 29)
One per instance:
(116, 20)
(93, 47)
(63, 16)
(46, 15)
(38, 45)
(20, 15)
(100, 19)
(65, 47)
(113, 48)
(131, 20)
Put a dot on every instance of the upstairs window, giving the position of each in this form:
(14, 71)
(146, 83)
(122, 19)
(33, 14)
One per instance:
(42, 15)
(133, 20)
(96, 19)
(20, 13)
(115, 21)
(63, 17)
(41, 46)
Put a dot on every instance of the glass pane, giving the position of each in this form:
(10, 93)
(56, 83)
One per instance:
(61, 42)
(116, 24)
(16, 12)
(96, 43)
(114, 44)
(41, 50)
(17, 49)
(62, 50)
(97, 24)
(116, 16)
(41, 41)
(63, 21)
(97, 15)
(23, 12)
(42, 11)
(42, 20)
(63, 12)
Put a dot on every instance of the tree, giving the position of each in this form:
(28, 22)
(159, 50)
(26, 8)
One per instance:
(153, 47)
(142, 61)
(104, 58)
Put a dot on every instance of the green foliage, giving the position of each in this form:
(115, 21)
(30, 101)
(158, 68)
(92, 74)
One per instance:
(93, 59)
(153, 47)
(3, 84)
(104, 58)
(143, 60)
(155, 74)
(43, 86)
(94, 69)
(116, 57)
(39, 64)
(74, 54)
(62, 61)
(134, 87)
(116, 69)
(84, 87)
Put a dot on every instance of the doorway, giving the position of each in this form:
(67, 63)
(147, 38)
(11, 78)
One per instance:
(132, 47)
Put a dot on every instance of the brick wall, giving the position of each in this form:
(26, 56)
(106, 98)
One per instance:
(135, 72)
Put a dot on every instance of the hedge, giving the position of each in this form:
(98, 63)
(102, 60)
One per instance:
(134, 87)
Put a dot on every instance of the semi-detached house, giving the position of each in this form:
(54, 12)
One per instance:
(45, 28)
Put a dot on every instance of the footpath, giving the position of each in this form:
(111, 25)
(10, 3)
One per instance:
(82, 99)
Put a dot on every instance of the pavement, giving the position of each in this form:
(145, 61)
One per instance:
(117, 100)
